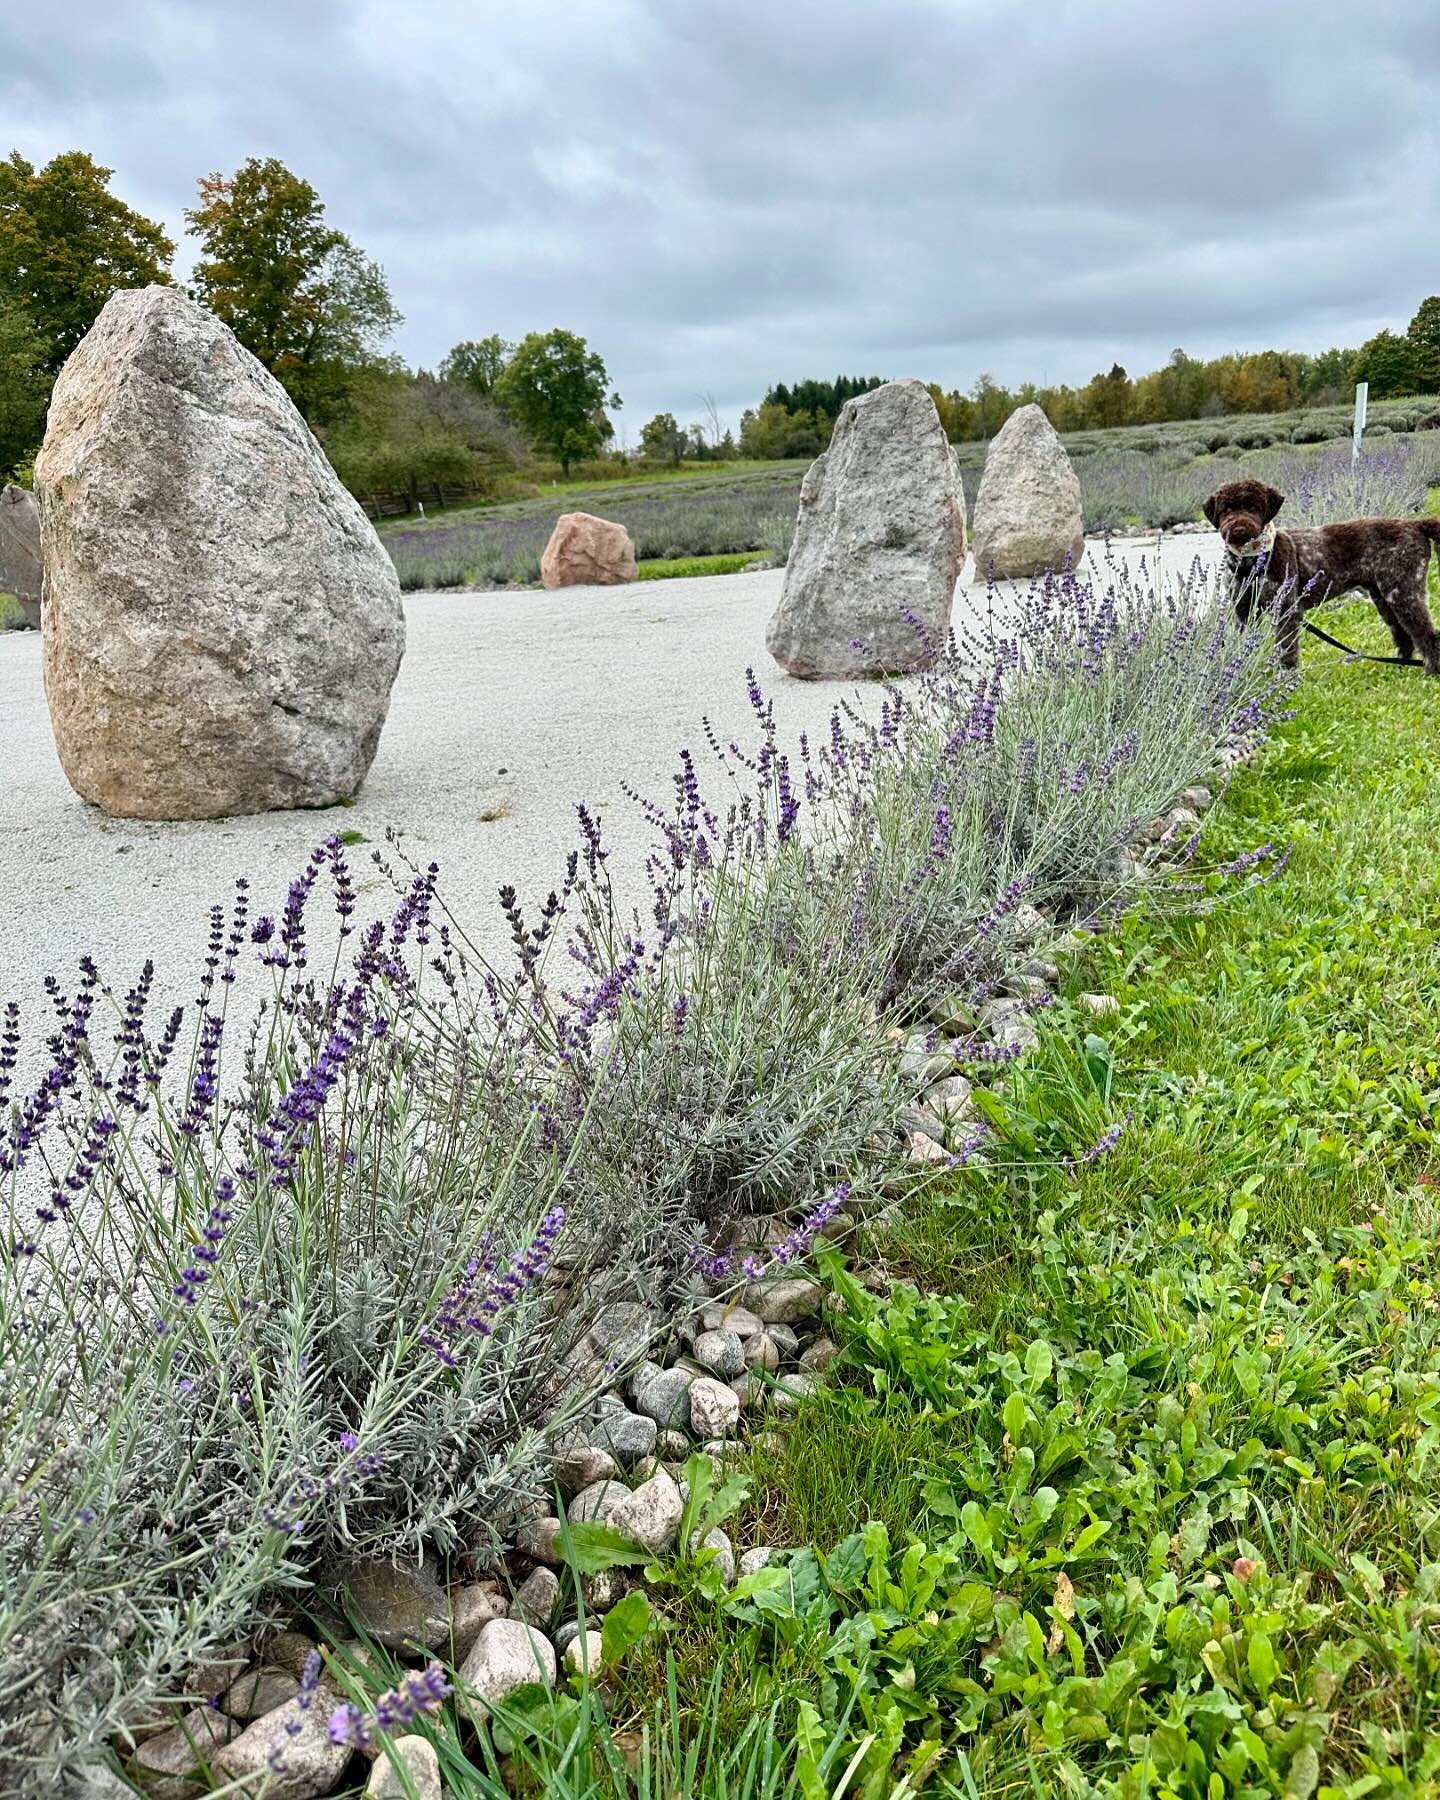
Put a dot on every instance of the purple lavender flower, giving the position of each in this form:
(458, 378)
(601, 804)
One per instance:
(292, 1726)
(1104, 1145)
(789, 804)
(456, 1310)
(207, 1252)
(418, 1693)
(205, 1084)
(1245, 861)
(88, 1162)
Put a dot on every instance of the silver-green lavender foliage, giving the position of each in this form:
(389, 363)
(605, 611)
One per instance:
(732, 1050)
(1018, 769)
(254, 1323)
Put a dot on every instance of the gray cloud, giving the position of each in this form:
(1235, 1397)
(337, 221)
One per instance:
(719, 196)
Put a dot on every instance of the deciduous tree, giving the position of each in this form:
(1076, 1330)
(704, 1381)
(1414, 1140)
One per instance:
(662, 439)
(295, 291)
(24, 387)
(477, 363)
(555, 387)
(1423, 337)
(1386, 362)
(67, 244)
(773, 434)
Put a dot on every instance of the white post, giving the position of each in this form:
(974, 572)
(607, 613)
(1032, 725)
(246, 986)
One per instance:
(1362, 397)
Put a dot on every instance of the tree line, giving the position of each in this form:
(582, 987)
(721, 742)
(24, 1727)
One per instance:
(318, 313)
(309, 304)
(798, 420)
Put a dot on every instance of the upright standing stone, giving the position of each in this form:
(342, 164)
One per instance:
(20, 550)
(878, 543)
(1027, 513)
(222, 625)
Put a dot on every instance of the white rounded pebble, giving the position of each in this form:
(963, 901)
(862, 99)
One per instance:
(714, 1408)
(651, 1514)
(421, 1777)
(506, 1656)
(584, 1652)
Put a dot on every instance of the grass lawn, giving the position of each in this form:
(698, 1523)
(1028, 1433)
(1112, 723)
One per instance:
(1136, 1489)
(667, 568)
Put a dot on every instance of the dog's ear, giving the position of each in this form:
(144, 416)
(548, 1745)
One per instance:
(1274, 500)
(1211, 508)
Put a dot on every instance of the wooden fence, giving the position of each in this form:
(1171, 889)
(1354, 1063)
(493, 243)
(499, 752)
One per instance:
(438, 494)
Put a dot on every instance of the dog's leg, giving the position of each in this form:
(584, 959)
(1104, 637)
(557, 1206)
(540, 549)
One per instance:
(1287, 633)
(1404, 643)
(1412, 617)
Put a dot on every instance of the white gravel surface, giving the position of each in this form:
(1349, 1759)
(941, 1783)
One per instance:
(509, 708)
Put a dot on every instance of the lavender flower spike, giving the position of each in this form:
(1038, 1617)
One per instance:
(399, 1706)
(293, 1725)
(192, 1279)
(500, 1291)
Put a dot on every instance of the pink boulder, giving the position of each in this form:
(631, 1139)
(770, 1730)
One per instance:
(587, 552)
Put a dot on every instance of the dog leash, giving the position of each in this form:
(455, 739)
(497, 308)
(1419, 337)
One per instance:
(1404, 662)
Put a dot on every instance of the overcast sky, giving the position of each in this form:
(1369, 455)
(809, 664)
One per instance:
(723, 193)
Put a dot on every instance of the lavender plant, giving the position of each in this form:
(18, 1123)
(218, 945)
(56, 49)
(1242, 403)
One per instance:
(1016, 771)
(1127, 487)
(255, 1323)
(1389, 482)
(1389, 479)
(731, 1051)
(725, 1050)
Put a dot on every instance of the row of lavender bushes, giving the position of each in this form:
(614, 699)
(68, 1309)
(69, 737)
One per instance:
(707, 520)
(312, 1274)
(1118, 488)
(1387, 480)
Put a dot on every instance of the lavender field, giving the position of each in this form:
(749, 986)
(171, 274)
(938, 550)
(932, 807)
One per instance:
(1121, 489)
(1390, 478)
(690, 518)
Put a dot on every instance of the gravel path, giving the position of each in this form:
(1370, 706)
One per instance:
(509, 708)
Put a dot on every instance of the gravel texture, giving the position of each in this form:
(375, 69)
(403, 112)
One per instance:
(508, 709)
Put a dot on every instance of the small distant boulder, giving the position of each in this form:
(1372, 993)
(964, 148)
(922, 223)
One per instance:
(222, 625)
(1027, 513)
(879, 542)
(20, 565)
(587, 552)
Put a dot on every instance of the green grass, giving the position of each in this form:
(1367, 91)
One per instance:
(669, 568)
(1131, 1483)
(652, 473)
(9, 610)
(1256, 1261)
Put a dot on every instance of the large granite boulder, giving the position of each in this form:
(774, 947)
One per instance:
(1027, 513)
(585, 551)
(222, 626)
(878, 543)
(20, 550)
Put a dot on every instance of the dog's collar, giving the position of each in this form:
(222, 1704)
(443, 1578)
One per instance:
(1260, 546)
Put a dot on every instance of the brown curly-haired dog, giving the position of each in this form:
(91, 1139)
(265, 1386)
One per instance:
(1292, 571)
